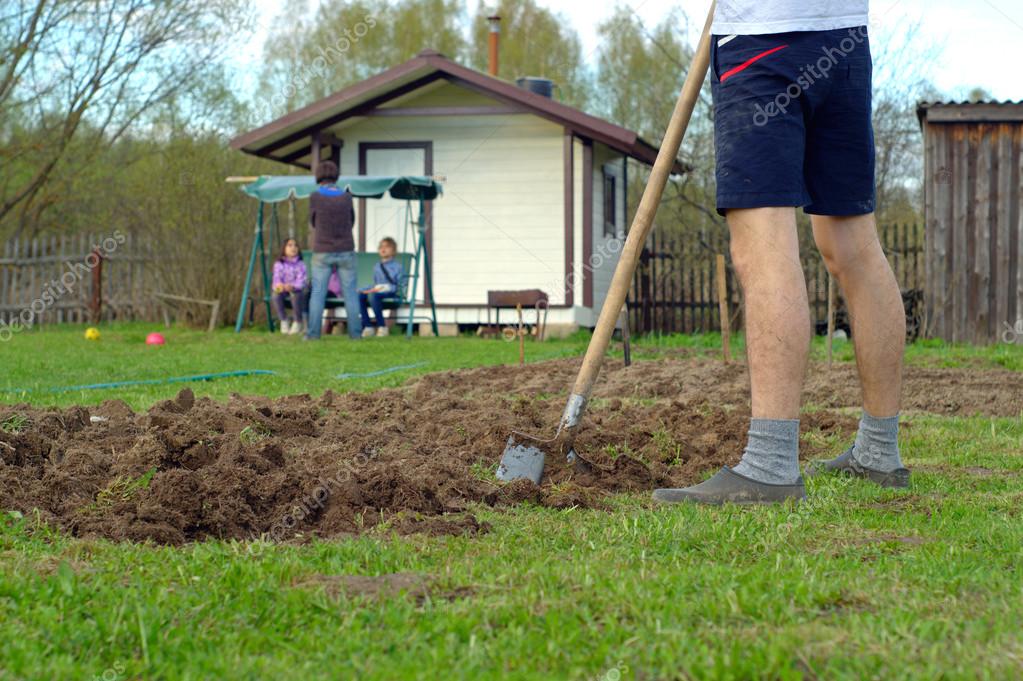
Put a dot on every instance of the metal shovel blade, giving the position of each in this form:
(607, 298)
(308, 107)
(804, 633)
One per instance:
(520, 462)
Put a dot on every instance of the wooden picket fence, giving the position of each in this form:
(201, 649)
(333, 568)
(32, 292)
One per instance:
(674, 287)
(55, 279)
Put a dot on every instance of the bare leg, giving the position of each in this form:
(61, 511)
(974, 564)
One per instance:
(765, 252)
(854, 257)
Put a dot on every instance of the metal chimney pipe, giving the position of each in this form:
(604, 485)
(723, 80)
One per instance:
(495, 32)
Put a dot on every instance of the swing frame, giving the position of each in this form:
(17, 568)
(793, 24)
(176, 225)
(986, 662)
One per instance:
(409, 188)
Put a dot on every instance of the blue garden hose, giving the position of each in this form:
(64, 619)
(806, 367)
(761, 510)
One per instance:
(381, 372)
(154, 381)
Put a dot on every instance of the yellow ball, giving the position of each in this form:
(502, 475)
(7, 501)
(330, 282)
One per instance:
(92, 333)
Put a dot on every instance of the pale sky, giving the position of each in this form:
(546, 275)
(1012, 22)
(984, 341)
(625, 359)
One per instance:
(981, 41)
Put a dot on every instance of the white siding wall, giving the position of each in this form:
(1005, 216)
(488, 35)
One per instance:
(582, 315)
(500, 223)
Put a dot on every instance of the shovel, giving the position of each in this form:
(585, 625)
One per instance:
(522, 460)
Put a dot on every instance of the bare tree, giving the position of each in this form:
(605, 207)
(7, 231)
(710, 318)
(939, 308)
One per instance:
(88, 71)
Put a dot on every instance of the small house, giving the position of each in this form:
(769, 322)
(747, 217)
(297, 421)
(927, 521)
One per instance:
(534, 190)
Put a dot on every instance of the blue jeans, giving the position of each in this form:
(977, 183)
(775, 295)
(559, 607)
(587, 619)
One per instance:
(323, 264)
(376, 301)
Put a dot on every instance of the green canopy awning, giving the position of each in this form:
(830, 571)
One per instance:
(277, 188)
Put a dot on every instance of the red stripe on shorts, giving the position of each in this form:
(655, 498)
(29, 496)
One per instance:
(746, 64)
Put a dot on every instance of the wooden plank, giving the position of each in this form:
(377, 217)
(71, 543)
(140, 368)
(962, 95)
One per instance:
(670, 283)
(30, 292)
(1016, 231)
(15, 295)
(692, 289)
(961, 212)
(63, 254)
(1000, 236)
(4, 275)
(935, 222)
(904, 281)
(969, 300)
(655, 284)
(980, 237)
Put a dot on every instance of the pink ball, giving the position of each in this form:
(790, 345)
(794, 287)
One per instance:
(155, 339)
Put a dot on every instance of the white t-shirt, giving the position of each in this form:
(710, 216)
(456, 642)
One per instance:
(752, 17)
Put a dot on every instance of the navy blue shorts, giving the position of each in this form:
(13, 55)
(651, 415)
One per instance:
(792, 121)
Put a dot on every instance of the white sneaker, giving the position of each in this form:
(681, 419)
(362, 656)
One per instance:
(382, 332)
(285, 326)
(368, 332)
(296, 328)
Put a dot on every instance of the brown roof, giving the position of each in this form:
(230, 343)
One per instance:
(426, 67)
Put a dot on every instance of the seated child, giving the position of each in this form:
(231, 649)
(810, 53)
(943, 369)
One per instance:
(387, 278)
(289, 283)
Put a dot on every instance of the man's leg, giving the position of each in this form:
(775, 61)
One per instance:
(347, 271)
(318, 297)
(300, 300)
(765, 253)
(853, 255)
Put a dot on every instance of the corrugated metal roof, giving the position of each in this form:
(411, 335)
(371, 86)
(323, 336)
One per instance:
(952, 102)
(985, 111)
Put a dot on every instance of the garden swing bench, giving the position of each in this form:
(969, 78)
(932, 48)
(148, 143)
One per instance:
(274, 189)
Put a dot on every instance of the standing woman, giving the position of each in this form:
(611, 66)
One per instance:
(331, 217)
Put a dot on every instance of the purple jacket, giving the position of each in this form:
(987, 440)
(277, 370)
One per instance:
(290, 271)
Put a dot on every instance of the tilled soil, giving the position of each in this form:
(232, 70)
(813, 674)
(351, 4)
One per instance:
(410, 459)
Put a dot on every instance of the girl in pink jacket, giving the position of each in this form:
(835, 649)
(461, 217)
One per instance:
(289, 285)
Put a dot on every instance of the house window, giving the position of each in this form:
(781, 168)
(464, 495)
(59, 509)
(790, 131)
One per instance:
(610, 206)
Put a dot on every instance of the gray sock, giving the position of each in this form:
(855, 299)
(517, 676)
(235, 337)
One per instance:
(772, 451)
(877, 443)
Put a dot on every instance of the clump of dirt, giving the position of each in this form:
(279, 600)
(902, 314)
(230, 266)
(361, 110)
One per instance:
(414, 459)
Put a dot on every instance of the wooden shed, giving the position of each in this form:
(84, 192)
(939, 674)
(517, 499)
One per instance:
(973, 209)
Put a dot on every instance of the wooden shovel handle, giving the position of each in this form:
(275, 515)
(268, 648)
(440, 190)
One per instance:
(644, 218)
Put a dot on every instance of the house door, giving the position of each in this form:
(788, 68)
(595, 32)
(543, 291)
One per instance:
(386, 216)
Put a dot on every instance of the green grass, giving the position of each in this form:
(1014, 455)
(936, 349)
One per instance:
(36, 362)
(858, 582)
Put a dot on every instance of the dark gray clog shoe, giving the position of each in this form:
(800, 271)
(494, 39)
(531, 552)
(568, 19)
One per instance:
(728, 487)
(847, 465)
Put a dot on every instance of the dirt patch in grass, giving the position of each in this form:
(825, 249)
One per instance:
(413, 585)
(415, 459)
